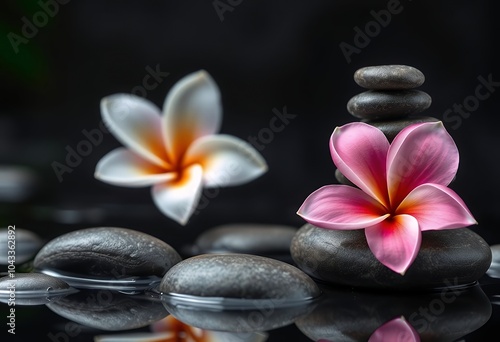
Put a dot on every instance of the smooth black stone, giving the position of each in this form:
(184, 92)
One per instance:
(342, 179)
(108, 253)
(349, 315)
(343, 257)
(241, 276)
(375, 105)
(391, 128)
(494, 270)
(27, 245)
(249, 238)
(33, 288)
(109, 310)
(384, 77)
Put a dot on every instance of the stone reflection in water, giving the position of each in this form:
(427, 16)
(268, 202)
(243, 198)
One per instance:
(109, 310)
(170, 329)
(347, 315)
(254, 316)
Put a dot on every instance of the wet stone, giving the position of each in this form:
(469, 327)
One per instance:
(446, 257)
(385, 77)
(391, 128)
(240, 276)
(250, 238)
(376, 105)
(108, 253)
(33, 282)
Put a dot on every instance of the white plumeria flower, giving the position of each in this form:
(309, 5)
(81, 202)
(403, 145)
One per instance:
(178, 153)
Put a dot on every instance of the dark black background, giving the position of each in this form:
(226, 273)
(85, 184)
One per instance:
(263, 55)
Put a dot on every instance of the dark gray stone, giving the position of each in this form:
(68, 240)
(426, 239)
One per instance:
(349, 315)
(250, 238)
(239, 276)
(108, 253)
(32, 288)
(27, 245)
(376, 105)
(459, 256)
(391, 128)
(109, 310)
(385, 77)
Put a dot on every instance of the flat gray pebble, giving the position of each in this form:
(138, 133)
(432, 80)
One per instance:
(389, 77)
(375, 105)
(107, 252)
(26, 244)
(250, 238)
(239, 276)
(457, 256)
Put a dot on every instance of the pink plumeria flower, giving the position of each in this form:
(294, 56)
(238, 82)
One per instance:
(402, 189)
(177, 153)
(396, 330)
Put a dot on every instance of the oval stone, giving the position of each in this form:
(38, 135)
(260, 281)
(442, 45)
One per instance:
(27, 245)
(33, 288)
(391, 128)
(107, 252)
(459, 256)
(385, 77)
(376, 105)
(240, 276)
(249, 238)
(343, 179)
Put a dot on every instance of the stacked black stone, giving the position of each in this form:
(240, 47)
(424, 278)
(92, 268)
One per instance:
(391, 101)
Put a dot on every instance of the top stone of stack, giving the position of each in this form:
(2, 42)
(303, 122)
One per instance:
(389, 77)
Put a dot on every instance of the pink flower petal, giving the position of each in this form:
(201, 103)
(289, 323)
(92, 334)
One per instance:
(359, 151)
(192, 109)
(125, 168)
(396, 330)
(421, 153)
(136, 123)
(395, 241)
(341, 207)
(178, 198)
(436, 207)
(226, 160)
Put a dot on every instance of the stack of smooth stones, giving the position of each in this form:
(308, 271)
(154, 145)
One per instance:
(446, 258)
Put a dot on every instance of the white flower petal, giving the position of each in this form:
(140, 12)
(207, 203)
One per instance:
(226, 160)
(178, 198)
(136, 123)
(192, 109)
(125, 168)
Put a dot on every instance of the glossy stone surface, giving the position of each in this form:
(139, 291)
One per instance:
(389, 77)
(109, 310)
(459, 256)
(107, 252)
(391, 128)
(240, 276)
(250, 238)
(33, 288)
(349, 315)
(342, 179)
(375, 105)
(27, 245)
